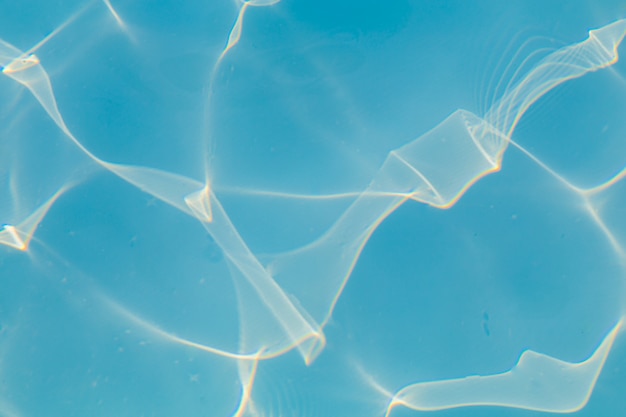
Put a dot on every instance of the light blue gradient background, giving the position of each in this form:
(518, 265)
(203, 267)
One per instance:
(310, 101)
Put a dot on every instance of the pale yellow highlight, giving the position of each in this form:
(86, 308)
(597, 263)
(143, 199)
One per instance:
(19, 236)
(537, 382)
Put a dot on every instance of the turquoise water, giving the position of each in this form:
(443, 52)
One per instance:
(312, 208)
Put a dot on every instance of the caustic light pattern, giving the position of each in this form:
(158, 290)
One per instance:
(203, 209)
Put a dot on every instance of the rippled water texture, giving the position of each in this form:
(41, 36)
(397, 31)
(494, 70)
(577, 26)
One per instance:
(312, 208)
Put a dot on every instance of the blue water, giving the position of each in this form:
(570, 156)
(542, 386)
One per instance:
(312, 208)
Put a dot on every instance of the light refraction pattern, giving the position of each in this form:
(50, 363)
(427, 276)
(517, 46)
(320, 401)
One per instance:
(206, 209)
